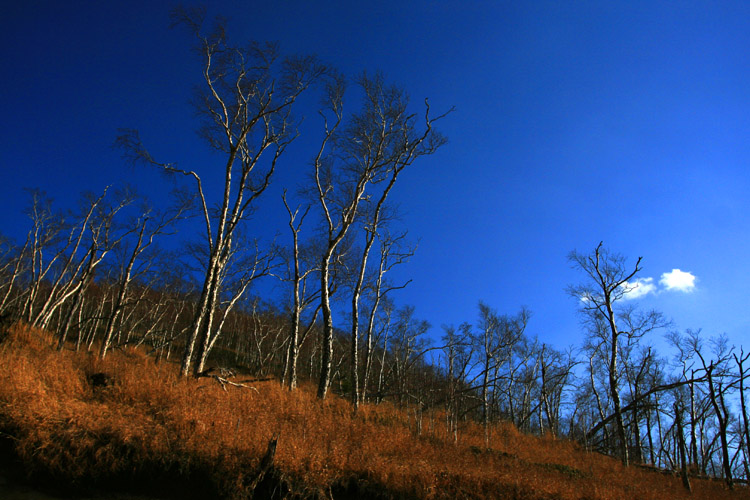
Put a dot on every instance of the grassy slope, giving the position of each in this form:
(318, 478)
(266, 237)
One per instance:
(149, 426)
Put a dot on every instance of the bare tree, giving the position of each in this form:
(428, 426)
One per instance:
(391, 255)
(488, 341)
(516, 379)
(365, 158)
(458, 355)
(372, 223)
(607, 283)
(495, 338)
(103, 237)
(555, 368)
(63, 254)
(246, 103)
(46, 237)
(716, 371)
(12, 268)
(247, 262)
(684, 359)
(146, 228)
(301, 296)
(386, 314)
(408, 348)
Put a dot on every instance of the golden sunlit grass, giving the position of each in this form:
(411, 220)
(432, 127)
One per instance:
(144, 419)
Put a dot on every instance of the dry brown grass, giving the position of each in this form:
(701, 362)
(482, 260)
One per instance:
(149, 420)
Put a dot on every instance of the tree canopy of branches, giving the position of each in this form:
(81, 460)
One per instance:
(355, 169)
(246, 107)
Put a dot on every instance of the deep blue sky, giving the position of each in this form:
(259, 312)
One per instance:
(575, 122)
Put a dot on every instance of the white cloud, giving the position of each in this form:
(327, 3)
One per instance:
(638, 288)
(678, 280)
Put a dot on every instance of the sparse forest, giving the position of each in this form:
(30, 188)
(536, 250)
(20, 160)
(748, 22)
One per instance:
(101, 290)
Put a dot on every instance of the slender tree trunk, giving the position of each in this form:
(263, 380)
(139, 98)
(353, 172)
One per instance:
(290, 371)
(485, 409)
(649, 435)
(382, 368)
(201, 316)
(614, 384)
(327, 348)
(80, 332)
(693, 418)
(659, 429)
(14, 275)
(112, 321)
(598, 398)
(681, 444)
(355, 341)
(638, 457)
(368, 344)
(92, 332)
(717, 401)
(743, 408)
(68, 320)
(356, 292)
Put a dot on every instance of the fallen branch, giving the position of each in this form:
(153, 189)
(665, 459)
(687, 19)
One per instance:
(224, 383)
(249, 380)
(223, 378)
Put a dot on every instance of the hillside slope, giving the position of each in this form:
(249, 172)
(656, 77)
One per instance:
(79, 424)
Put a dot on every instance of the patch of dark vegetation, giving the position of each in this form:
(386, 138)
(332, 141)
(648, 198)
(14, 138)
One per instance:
(7, 320)
(275, 485)
(10, 463)
(100, 380)
(358, 487)
(142, 477)
(563, 469)
(501, 454)
(187, 480)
